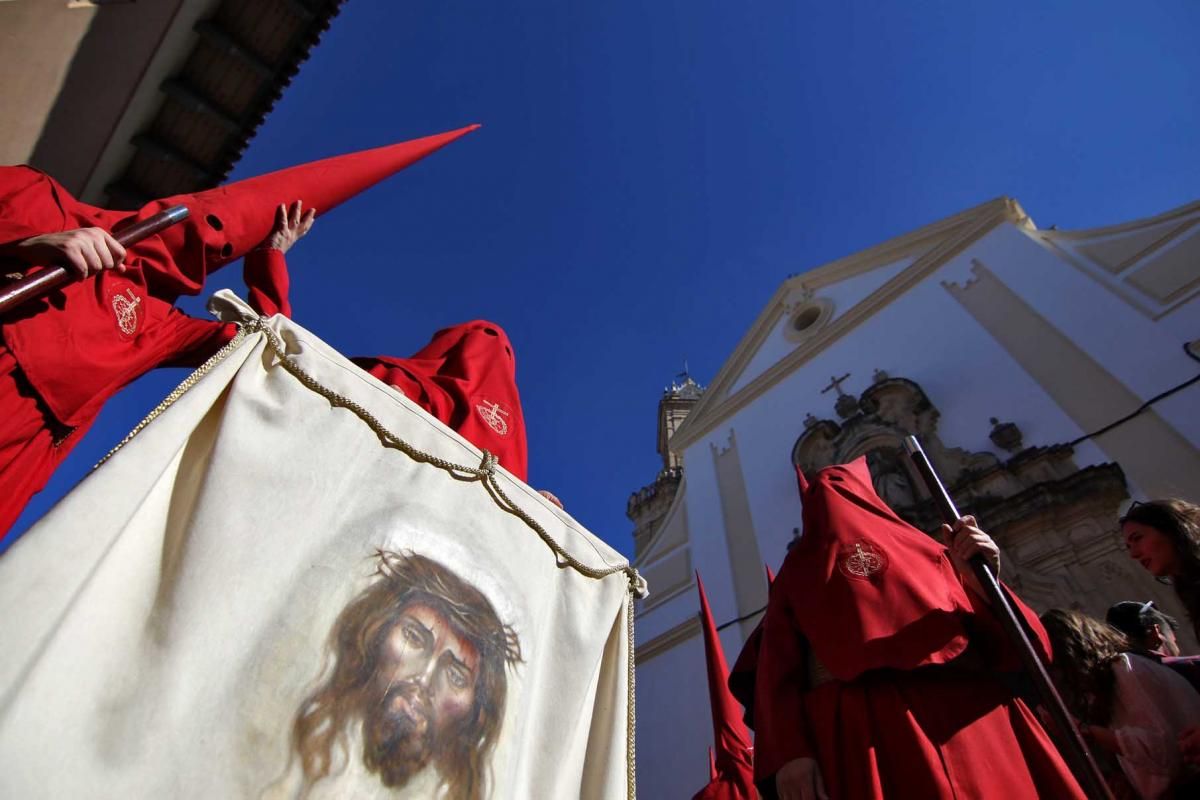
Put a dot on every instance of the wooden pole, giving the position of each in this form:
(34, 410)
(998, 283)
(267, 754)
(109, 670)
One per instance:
(1078, 755)
(47, 280)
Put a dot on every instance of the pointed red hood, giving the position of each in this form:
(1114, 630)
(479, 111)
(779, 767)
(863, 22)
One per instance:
(229, 221)
(224, 223)
(878, 581)
(734, 759)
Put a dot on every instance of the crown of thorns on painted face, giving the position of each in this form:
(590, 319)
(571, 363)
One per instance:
(442, 630)
(229, 221)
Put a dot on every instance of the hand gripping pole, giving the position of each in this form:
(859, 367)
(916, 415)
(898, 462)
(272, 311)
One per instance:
(47, 280)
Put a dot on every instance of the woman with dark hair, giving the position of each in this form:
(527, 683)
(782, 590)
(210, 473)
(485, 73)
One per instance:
(1127, 705)
(1164, 537)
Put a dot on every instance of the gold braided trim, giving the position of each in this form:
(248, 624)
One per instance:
(631, 713)
(484, 473)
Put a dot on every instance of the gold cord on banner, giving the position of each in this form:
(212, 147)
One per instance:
(485, 473)
(182, 389)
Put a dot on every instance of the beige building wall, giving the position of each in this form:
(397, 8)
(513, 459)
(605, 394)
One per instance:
(73, 70)
(38, 41)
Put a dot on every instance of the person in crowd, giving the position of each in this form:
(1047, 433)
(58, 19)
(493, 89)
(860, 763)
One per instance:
(1153, 634)
(1126, 705)
(1149, 629)
(1164, 537)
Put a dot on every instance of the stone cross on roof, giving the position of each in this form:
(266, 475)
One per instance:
(836, 383)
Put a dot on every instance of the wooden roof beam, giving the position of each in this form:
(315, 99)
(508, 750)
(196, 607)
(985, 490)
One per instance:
(165, 151)
(302, 8)
(188, 97)
(215, 35)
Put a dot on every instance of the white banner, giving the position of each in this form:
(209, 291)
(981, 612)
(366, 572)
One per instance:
(282, 588)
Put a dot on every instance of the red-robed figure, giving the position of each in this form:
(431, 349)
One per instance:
(63, 356)
(880, 670)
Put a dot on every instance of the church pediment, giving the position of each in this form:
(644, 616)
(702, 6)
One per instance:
(811, 311)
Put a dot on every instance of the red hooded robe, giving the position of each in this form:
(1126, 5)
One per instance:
(64, 355)
(878, 663)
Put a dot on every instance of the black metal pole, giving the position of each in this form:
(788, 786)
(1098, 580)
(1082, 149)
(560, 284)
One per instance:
(1078, 754)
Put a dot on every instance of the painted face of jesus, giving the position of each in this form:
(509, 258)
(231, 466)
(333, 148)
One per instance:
(422, 647)
(426, 683)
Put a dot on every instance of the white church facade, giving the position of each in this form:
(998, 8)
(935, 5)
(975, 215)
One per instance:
(1046, 373)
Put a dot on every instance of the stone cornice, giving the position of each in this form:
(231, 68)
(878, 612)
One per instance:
(1179, 213)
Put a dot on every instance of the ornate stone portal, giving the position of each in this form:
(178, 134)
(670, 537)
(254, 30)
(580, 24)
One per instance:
(1056, 524)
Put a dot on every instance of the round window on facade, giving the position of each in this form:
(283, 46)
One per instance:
(807, 318)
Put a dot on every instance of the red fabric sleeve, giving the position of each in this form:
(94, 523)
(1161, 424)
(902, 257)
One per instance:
(266, 276)
(780, 722)
(193, 340)
(265, 273)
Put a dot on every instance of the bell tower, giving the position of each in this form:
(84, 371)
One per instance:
(647, 505)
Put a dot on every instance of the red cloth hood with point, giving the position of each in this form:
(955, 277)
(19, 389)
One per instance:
(74, 354)
(840, 578)
(227, 222)
(733, 771)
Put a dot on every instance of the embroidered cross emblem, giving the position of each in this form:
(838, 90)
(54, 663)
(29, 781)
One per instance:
(125, 309)
(863, 561)
(493, 414)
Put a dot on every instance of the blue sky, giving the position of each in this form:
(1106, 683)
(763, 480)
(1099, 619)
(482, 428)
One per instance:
(648, 173)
